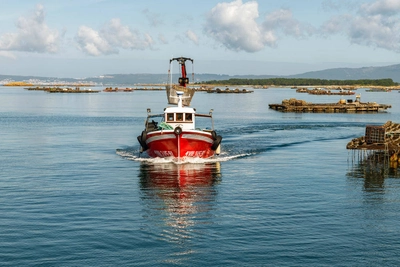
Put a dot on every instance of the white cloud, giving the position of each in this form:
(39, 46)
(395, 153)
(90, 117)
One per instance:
(7, 54)
(376, 31)
(234, 25)
(337, 24)
(162, 39)
(381, 7)
(192, 36)
(110, 38)
(283, 20)
(120, 35)
(90, 42)
(376, 24)
(153, 18)
(33, 35)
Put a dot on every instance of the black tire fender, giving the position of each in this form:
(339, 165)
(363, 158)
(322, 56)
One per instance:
(178, 130)
(142, 140)
(143, 136)
(216, 142)
(214, 135)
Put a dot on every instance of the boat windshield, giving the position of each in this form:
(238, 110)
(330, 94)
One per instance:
(179, 117)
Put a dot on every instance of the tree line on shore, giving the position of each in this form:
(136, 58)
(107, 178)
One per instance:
(303, 82)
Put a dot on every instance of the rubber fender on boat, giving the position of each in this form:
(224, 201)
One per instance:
(216, 142)
(143, 145)
(214, 135)
(178, 130)
(143, 136)
(142, 140)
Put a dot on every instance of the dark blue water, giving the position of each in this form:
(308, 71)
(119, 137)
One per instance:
(284, 192)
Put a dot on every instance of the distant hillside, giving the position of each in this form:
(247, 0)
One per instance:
(20, 78)
(392, 72)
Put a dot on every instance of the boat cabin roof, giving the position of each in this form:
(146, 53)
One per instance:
(179, 110)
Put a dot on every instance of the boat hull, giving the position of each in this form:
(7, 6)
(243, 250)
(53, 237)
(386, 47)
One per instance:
(168, 143)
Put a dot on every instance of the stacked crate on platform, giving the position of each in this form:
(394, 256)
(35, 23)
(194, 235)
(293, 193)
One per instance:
(375, 134)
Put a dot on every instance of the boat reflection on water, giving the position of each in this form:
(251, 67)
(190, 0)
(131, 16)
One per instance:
(181, 196)
(179, 176)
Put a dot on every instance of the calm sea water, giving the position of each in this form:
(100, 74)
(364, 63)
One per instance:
(74, 190)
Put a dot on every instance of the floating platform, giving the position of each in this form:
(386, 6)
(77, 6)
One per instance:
(72, 91)
(324, 92)
(379, 90)
(37, 88)
(343, 106)
(116, 89)
(384, 138)
(229, 91)
(62, 90)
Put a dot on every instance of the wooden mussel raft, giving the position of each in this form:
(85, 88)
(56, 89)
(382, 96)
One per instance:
(229, 91)
(384, 138)
(318, 91)
(116, 89)
(343, 106)
(62, 89)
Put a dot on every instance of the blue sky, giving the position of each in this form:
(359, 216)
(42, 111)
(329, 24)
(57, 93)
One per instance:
(83, 38)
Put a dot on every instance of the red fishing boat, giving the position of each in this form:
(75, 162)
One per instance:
(179, 131)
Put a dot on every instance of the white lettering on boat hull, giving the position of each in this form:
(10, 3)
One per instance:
(167, 153)
(194, 154)
(163, 154)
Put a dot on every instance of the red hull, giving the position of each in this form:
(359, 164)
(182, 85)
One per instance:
(166, 143)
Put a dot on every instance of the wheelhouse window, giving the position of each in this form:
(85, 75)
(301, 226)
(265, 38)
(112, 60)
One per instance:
(188, 116)
(170, 117)
(179, 116)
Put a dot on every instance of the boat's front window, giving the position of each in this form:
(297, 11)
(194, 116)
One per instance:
(170, 117)
(179, 116)
(188, 116)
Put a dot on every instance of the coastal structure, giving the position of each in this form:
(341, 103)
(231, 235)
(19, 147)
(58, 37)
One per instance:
(229, 91)
(379, 90)
(383, 140)
(343, 106)
(72, 91)
(75, 90)
(319, 91)
(116, 89)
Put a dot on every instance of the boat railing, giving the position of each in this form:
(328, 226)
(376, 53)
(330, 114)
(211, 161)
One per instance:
(151, 124)
(204, 116)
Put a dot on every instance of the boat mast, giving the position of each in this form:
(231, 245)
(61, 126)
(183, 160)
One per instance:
(180, 96)
(183, 80)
